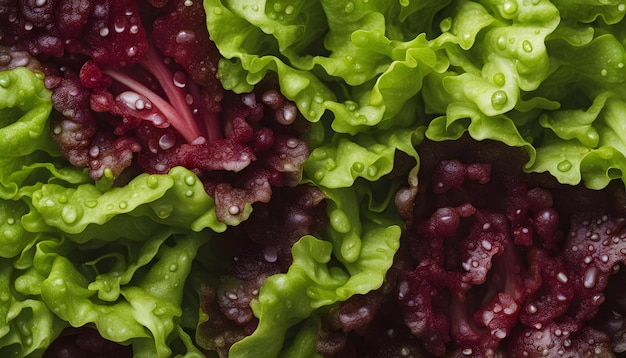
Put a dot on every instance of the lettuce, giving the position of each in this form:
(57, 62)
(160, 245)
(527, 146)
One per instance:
(54, 284)
(336, 58)
(533, 74)
(340, 162)
(374, 78)
(25, 107)
(377, 77)
(83, 253)
(353, 258)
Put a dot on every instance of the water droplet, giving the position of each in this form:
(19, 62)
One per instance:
(319, 154)
(119, 24)
(40, 3)
(153, 145)
(289, 114)
(173, 267)
(131, 51)
(62, 199)
(339, 221)
(91, 203)
(590, 278)
(289, 10)
(405, 3)
(349, 7)
(499, 79)
(446, 24)
(499, 99)
(217, 10)
(69, 214)
(164, 211)
(501, 42)
(123, 204)
(604, 72)
(190, 179)
(134, 100)
(180, 80)
(292, 143)
(28, 26)
(185, 36)
(152, 181)
(158, 120)
(621, 7)
(5, 80)
(358, 167)
(372, 170)
(509, 7)
(94, 151)
(270, 254)
(134, 29)
(564, 166)
(104, 31)
(234, 210)
(527, 46)
(167, 141)
(330, 164)
(10, 221)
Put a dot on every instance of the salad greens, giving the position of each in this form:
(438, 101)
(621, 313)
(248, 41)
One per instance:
(77, 252)
(359, 251)
(534, 74)
(374, 78)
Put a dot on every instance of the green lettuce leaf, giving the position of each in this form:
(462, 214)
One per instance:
(341, 161)
(131, 291)
(177, 199)
(353, 258)
(83, 253)
(28, 324)
(527, 73)
(352, 62)
(24, 109)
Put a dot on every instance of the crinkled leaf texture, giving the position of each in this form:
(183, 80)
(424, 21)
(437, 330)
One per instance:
(25, 106)
(81, 253)
(544, 75)
(568, 120)
(344, 159)
(331, 57)
(362, 238)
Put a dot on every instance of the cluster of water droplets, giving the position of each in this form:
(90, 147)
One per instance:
(358, 168)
